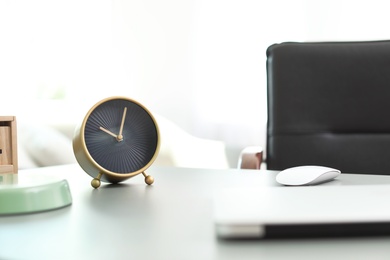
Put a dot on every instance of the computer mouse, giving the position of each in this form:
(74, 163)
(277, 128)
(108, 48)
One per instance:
(306, 175)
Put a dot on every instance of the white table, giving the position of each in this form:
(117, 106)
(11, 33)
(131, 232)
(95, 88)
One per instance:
(172, 219)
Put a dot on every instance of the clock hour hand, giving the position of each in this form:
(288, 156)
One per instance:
(108, 132)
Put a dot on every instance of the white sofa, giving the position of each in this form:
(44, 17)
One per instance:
(49, 142)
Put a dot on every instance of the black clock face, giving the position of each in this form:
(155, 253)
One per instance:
(121, 136)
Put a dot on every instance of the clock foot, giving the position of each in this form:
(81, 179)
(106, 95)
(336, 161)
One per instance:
(95, 183)
(148, 179)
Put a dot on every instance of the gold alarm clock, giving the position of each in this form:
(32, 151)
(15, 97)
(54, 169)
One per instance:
(118, 139)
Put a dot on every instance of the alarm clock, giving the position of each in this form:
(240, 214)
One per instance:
(118, 139)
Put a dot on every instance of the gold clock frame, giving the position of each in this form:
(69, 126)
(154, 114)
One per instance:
(91, 167)
(8, 145)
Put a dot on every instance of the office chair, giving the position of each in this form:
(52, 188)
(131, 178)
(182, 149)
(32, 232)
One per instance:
(328, 104)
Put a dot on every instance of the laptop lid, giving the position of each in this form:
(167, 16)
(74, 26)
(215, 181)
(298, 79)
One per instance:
(305, 211)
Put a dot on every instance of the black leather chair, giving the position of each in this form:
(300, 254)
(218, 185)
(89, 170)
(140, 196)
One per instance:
(328, 104)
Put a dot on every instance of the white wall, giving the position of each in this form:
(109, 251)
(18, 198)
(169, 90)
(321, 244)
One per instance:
(200, 63)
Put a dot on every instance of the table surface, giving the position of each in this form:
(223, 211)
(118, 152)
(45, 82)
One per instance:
(172, 219)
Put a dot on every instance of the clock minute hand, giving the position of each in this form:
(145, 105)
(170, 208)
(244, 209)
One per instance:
(108, 132)
(120, 136)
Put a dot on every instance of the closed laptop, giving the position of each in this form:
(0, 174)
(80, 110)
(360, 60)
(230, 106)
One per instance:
(306, 211)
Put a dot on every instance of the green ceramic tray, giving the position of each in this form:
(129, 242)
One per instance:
(30, 193)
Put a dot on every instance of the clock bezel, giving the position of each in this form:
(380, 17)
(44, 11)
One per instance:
(88, 163)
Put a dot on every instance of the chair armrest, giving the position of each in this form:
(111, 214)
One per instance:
(251, 158)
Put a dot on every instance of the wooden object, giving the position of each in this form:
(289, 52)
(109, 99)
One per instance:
(8, 145)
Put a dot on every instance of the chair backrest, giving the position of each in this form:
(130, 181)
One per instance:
(329, 104)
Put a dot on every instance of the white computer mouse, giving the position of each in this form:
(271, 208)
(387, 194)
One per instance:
(306, 175)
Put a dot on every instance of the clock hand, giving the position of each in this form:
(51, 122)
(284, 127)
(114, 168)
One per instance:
(108, 132)
(120, 136)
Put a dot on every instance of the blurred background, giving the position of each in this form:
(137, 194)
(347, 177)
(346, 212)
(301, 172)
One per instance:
(198, 63)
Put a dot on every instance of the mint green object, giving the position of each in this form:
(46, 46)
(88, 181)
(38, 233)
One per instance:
(30, 193)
